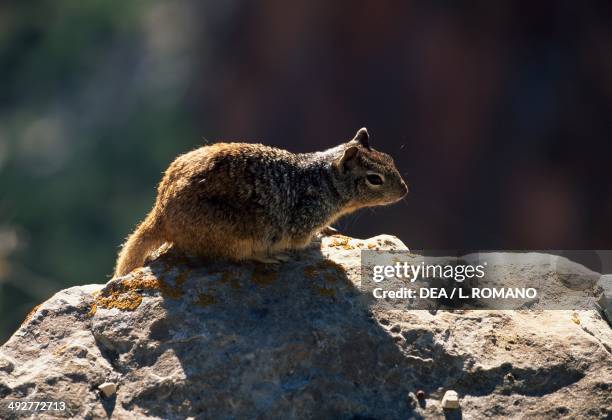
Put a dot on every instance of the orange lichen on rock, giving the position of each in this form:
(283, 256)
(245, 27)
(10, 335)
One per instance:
(125, 294)
(342, 242)
(331, 269)
(92, 310)
(127, 300)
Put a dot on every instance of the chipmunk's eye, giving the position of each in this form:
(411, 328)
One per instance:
(374, 179)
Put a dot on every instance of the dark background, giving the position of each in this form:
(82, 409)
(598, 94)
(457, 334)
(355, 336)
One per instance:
(499, 114)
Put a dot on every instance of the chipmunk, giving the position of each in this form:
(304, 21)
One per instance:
(242, 201)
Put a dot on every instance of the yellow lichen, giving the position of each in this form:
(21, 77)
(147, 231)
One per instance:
(127, 301)
(92, 310)
(325, 271)
(575, 318)
(342, 242)
(324, 266)
(125, 294)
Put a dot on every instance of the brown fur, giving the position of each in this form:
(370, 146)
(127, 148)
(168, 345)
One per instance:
(240, 201)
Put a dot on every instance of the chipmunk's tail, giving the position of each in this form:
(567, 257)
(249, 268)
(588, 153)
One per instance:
(145, 239)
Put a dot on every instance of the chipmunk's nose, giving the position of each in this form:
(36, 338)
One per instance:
(404, 187)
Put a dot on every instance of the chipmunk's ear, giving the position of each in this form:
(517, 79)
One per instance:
(362, 137)
(347, 160)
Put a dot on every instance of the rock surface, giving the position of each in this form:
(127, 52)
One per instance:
(184, 338)
(605, 300)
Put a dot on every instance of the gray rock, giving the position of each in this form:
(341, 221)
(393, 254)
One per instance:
(185, 338)
(605, 300)
(108, 389)
(450, 400)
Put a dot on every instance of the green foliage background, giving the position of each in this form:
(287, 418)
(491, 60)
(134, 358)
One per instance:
(87, 123)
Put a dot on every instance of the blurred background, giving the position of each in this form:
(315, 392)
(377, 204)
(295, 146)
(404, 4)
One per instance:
(498, 113)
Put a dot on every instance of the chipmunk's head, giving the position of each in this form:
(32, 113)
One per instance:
(367, 177)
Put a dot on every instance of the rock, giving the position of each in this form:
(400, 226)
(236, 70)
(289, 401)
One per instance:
(108, 389)
(6, 365)
(605, 300)
(450, 400)
(185, 338)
